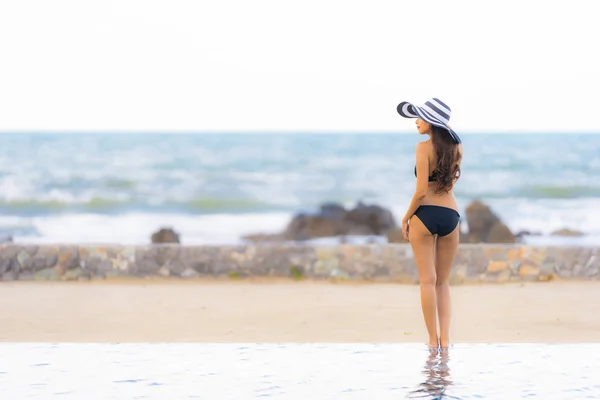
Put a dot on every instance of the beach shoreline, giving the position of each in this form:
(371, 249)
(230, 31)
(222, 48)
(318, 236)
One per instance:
(277, 310)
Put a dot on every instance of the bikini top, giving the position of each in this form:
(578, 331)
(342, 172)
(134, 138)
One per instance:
(432, 177)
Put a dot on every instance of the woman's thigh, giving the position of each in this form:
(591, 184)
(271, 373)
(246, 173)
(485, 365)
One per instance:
(422, 243)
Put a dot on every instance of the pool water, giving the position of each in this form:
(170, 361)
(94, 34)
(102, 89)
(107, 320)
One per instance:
(298, 371)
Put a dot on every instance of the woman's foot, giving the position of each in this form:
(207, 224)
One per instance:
(433, 343)
(444, 343)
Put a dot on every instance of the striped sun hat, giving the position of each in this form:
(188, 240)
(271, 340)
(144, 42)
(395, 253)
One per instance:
(433, 111)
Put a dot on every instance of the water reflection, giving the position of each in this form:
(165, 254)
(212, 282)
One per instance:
(437, 377)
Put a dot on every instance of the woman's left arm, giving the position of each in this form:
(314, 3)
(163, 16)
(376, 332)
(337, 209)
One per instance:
(422, 182)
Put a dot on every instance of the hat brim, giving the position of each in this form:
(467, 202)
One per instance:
(409, 110)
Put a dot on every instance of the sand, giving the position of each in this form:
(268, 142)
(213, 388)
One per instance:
(291, 312)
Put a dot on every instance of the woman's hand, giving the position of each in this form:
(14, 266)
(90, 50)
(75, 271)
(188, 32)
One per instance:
(405, 229)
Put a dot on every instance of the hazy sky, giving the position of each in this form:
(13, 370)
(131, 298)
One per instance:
(307, 65)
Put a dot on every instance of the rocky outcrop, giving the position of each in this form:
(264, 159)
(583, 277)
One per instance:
(333, 220)
(165, 235)
(485, 226)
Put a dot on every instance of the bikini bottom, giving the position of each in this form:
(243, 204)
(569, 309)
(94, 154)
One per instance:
(437, 219)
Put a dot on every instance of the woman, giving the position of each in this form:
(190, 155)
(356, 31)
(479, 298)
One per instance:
(431, 221)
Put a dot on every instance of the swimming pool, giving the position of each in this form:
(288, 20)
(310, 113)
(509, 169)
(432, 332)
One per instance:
(297, 371)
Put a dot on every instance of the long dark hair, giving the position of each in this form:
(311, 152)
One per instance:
(448, 159)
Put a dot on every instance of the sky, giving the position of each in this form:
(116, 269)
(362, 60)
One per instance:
(298, 66)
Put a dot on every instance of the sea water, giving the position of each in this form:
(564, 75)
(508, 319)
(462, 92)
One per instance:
(298, 371)
(215, 188)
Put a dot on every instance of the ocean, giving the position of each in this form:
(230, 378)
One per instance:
(297, 371)
(215, 188)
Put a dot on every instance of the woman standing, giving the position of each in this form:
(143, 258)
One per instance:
(431, 221)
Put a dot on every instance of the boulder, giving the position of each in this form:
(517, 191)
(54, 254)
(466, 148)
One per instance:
(304, 227)
(485, 226)
(165, 235)
(480, 219)
(500, 233)
(376, 219)
(332, 220)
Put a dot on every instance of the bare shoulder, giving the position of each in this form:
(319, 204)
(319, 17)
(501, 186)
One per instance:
(424, 147)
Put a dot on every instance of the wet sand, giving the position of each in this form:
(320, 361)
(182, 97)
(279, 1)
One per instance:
(243, 311)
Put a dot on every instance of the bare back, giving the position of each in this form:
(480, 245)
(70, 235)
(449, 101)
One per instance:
(431, 198)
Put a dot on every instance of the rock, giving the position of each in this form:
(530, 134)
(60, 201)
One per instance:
(376, 218)
(500, 234)
(567, 232)
(333, 220)
(148, 266)
(47, 274)
(497, 266)
(73, 274)
(5, 264)
(165, 235)
(68, 257)
(485, 226)
(10, 276)
(303, 227)
(480, 219)
(333, 210)
(529, 270)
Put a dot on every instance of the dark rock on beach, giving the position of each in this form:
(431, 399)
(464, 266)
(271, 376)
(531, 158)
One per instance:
(334, 220)
(485, 226)
(165, 235)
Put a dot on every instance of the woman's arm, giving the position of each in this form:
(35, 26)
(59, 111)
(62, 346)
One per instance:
(422, 181)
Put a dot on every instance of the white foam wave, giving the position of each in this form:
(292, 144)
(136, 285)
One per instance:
(136, 228)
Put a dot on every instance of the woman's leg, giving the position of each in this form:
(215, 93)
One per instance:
(445, 250)
(422, 243)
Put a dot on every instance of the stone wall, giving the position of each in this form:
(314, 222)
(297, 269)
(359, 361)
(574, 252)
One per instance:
(488, 263)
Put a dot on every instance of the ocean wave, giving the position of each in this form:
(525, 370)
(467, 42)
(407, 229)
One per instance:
(99, 204)
(136, 227)
(532, 192)
(44, 178)
(224, 228)
(560, 192)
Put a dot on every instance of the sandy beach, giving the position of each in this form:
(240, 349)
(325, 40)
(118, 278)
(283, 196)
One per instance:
(291, 312)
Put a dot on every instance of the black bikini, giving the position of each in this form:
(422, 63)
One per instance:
(437, 219)
(432, 178)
